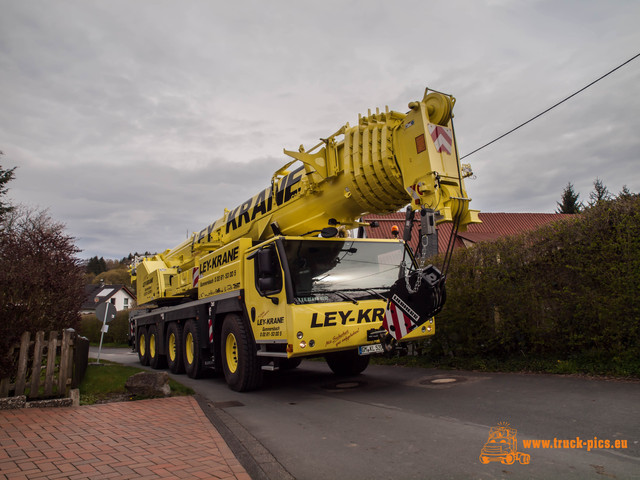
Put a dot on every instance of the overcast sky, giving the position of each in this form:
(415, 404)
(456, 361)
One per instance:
(137, 122)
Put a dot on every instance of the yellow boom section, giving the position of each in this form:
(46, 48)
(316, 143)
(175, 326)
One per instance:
(384, 162)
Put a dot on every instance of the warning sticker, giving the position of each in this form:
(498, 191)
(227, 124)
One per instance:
(195, 274)
(442, 138)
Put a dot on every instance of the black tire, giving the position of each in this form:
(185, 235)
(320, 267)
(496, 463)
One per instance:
(240, 361)
(347, 362)
(191, 350)
(142, 345)
(156, 361)
(175, 348)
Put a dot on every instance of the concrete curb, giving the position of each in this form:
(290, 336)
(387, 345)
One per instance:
(256, 460)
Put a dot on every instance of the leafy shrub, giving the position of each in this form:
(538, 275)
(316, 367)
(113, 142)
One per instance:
(566, 290)
(118, 329)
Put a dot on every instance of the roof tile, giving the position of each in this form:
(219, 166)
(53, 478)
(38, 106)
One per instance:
(493, 226)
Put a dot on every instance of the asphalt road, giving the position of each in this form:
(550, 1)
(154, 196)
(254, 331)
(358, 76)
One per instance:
(397, 423)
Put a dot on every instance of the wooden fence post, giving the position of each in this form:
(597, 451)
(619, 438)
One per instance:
(51, 363)
(65, 359)
(80, 360)
(36, 366)
(70, 357)
(4, 387)
(21, 380)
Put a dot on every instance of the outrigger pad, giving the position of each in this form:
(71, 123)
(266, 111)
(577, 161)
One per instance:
(405, 310)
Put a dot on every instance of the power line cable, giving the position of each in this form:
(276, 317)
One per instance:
(551, 108)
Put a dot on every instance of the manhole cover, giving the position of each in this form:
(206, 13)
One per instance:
(441, 381)
(343, 385)
(444, 380)
(347, 385)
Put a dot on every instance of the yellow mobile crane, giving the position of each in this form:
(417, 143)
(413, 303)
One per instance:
(280, 276)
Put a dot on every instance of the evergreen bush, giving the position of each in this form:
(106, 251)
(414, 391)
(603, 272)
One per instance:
(118, 329)
(568, 291)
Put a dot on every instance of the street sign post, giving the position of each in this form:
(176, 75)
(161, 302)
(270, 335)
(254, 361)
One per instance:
(107, 311)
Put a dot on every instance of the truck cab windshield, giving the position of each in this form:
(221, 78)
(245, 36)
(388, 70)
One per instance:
(336, 270)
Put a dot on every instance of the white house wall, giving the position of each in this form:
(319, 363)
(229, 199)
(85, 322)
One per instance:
(120, 297)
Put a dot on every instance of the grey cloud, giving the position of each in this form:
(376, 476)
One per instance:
(137, 121)
(145, 206)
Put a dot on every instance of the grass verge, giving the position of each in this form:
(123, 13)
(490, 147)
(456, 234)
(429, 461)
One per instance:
(105, 383)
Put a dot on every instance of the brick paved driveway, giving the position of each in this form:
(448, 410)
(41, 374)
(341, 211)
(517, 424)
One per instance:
(161, 438)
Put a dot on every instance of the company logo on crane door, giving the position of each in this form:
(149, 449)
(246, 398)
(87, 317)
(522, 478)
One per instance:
(270, 321)
(219, 260)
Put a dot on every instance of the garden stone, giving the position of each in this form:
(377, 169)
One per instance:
(149, 384)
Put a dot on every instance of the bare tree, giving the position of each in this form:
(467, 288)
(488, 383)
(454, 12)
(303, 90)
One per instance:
(41, 281)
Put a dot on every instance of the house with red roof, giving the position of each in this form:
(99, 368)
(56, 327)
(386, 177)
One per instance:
(493, 226)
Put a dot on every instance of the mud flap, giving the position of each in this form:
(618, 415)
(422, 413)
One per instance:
(414, 300)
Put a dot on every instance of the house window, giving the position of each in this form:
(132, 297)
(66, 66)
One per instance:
(113, 301)
(126, 303)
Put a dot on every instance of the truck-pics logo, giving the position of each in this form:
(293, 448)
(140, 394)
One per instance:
(502, 446)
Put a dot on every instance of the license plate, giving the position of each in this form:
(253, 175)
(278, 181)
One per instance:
(369, 349)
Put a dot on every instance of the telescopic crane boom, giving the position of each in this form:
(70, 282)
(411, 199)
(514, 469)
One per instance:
(386, 161)
(279, 278)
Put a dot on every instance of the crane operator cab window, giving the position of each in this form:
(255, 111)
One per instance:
(268, 271)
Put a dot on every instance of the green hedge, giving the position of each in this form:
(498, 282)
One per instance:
(118, 329)
(568, 292)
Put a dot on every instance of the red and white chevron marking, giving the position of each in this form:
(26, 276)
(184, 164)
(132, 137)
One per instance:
(396, 322)
(442, 138)
(195, 274)
(210, 331)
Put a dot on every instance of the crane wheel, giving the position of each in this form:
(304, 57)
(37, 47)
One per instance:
(191, 352)
(240, 362)
(156, 361)
(175, 348)
(347, 362)
(142, 340)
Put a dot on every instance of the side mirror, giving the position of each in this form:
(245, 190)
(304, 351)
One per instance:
(267, 261)
(268, 284)
(268, 273)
